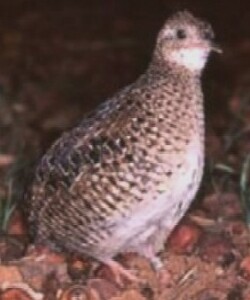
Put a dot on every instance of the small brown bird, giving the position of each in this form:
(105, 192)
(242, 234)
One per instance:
(123, 178)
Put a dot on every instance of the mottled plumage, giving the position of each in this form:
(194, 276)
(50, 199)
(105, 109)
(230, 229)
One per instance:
(122, 179)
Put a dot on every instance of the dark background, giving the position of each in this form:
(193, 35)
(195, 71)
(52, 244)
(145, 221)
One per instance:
(59, 59)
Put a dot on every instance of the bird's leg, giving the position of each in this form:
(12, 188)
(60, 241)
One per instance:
(120, 272)
(157, 264)
(148, 252)
(153, 244)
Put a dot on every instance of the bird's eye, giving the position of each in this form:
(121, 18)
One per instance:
(181, 34)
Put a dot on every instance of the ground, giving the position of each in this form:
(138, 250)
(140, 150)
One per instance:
(59, 60)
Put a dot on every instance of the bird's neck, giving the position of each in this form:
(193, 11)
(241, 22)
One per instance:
(175, 87)
(162, 68)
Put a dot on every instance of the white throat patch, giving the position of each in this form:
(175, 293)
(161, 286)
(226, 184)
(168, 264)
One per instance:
(193, 59)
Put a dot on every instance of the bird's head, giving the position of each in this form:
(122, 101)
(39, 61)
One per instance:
(185, 41)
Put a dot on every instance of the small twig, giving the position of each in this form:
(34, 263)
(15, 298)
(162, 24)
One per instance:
(202, 221)
(182, 283)
(188, 275)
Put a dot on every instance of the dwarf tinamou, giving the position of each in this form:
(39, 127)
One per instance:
(122, 179)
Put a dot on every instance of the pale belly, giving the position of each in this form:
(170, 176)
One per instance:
(153, 220)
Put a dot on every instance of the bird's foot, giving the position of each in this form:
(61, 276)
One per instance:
(121, 273)
(162, 274)
(148, 252)
(163, 277)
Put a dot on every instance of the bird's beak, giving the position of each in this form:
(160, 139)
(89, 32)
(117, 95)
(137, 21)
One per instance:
(216, 48)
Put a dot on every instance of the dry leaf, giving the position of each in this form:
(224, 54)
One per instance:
(9, 274)
(15, 294)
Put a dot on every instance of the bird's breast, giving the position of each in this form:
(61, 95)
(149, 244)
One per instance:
(168, 200)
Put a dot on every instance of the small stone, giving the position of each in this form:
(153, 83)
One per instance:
(184, 238)
(245, 267)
